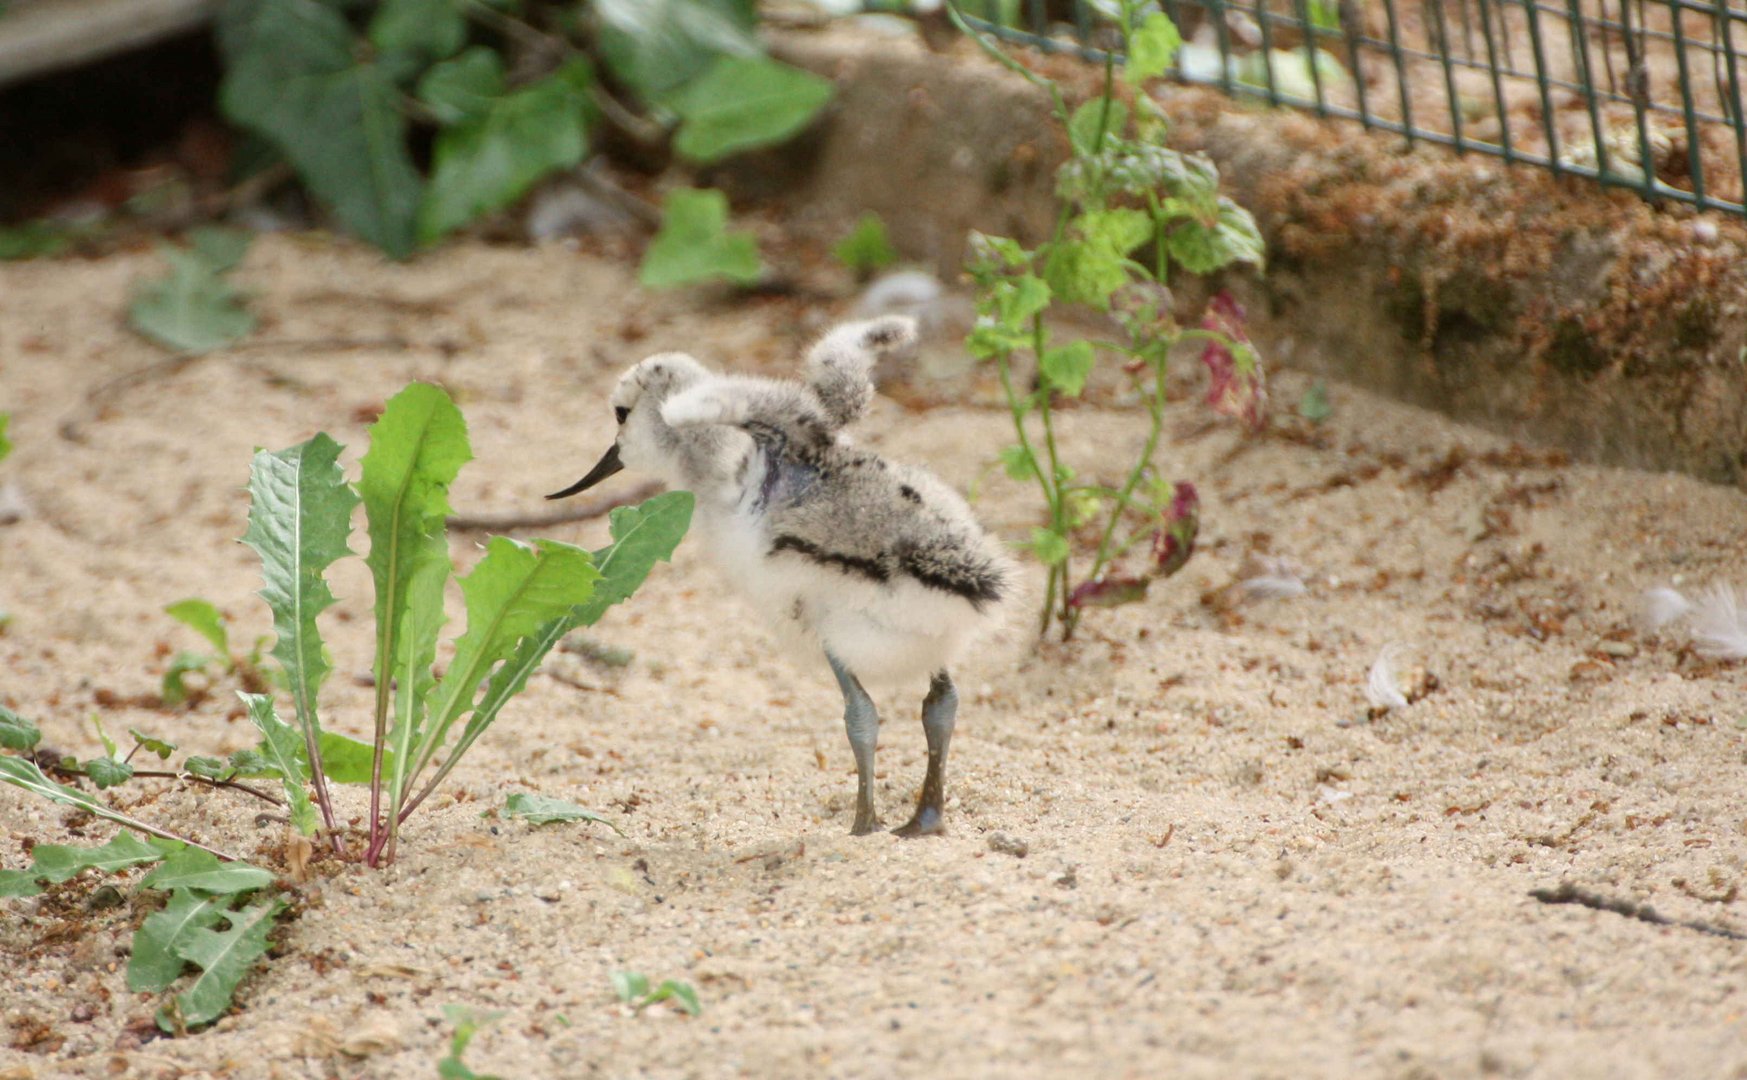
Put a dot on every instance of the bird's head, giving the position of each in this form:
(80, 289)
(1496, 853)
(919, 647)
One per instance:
(645, 443)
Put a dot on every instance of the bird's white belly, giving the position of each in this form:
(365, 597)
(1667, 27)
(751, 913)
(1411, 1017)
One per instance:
(896, 632)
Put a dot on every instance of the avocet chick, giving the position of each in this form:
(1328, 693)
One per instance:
(881, 566)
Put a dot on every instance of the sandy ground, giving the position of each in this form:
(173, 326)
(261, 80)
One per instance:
(1231, 870)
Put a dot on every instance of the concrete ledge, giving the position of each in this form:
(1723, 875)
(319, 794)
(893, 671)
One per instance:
(1545, 309)
(38, 36)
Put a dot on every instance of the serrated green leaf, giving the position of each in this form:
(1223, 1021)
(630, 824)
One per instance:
(488, 161)
(283, 748)
(151, 744)
(694, 245)
(18, 883)
(411, 33)
(204, 619)
(1067, 367)
(253, 765)
(513, 593)
(463, 87)
(17, 733)
(293, 76)
(106, 772)
(155, 964)
(1090, 119)
(223, 957)
(658, 45)
(867, 248)
(417, 448)
(543, 810)
(742, 103)
(57, 862)
(348, 761)
(300, 517)
(193, 310)
(192, 868)
(1151, 48)
(642, 535)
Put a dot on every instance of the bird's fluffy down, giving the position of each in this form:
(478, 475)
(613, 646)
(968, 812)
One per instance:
(880, 563)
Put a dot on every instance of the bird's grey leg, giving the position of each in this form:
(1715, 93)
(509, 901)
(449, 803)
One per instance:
(939, 709)
(863, 724)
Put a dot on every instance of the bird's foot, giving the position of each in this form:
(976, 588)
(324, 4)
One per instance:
(927, 822)
(866, 821)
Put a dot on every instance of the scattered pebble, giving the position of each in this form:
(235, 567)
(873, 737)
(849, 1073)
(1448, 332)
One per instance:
(1002, 844)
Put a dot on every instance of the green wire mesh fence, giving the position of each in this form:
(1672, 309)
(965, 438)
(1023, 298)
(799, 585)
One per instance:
(1644, 94)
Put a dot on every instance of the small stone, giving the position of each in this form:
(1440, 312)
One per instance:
(1002, 844)
(1619, 649)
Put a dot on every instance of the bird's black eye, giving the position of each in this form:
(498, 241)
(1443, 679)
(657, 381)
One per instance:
(621, 412)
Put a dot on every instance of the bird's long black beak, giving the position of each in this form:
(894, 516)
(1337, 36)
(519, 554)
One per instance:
(605, 467)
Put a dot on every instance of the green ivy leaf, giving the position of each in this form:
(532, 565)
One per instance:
(487, 161)
(208, 768)
(155, 964)
(1067, 367)
(541, 810)
(867, 248)
(151, 744)
(283, 748)
(694, 245)
(411, 33)
(203, 618)
(193, 310)
(464, 87)
(106, 772)
(1049, 546)
(656, 46)
(1083, 126)
(192, 868)
(1151, 48)
(223, 957)
(17, 733)
(292, 76)
(742, 103)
